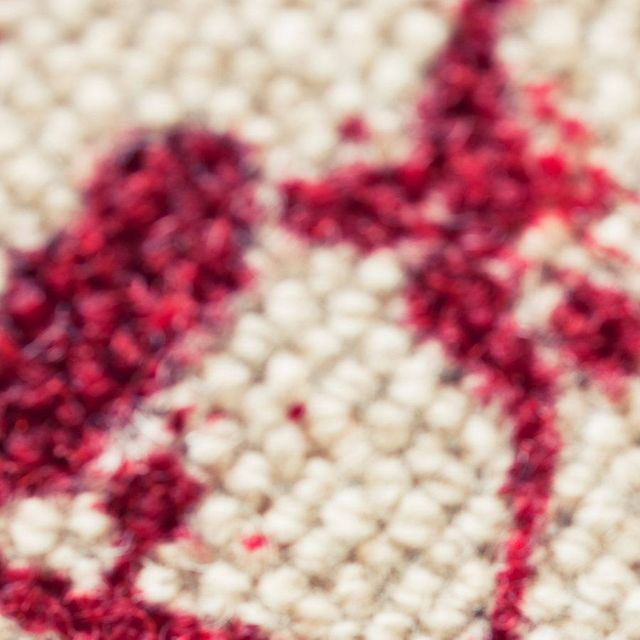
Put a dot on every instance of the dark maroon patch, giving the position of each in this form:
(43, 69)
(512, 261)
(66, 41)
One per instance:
(600, 329)
(91, 323)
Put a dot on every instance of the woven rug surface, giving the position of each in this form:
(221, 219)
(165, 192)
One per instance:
(319, 320)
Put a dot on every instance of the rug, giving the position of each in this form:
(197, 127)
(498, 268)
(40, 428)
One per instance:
(319, 320)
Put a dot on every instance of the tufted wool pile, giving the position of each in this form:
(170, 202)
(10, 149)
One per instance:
(319, 320)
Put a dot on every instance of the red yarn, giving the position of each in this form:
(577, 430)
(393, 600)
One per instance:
(93, 322)
(600, 329)
(354, 129)
(472, 156)
(90, 323)
(148, 498)
(297, 412)
(255, 542)
(41, 601)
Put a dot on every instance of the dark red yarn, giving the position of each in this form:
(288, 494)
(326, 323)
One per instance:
(470, 153)
(354, 129)
(92, 323)
(42, 602)
(255, 541)
(473, 157)
(149, 498)
(89, 324)
(297, 411)
(600, 329)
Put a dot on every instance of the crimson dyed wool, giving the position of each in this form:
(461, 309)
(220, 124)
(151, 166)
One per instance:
(139, 290)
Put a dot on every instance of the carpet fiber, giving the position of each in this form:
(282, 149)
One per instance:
(319, 320)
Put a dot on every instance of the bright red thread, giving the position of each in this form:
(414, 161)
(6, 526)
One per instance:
(255, 542)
